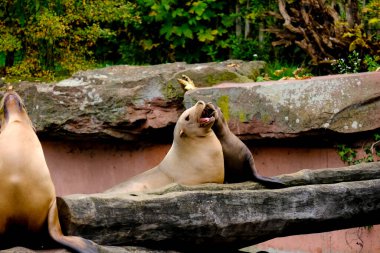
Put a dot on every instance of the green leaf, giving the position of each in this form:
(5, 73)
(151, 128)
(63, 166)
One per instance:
(227, 21)
(166, 29)
(198, 8)
(187, 31)
(178, 12)
(373, 21)
(348, 34)
(148, 44)
(206, 35)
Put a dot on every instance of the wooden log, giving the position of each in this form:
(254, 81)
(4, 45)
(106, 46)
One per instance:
(228, 217)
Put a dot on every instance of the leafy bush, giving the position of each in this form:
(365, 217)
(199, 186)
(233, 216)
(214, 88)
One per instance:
(350, 65)
(371, 152)
(49, 36)
(43, 37)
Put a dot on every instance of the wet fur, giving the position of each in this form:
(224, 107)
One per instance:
(238, 160)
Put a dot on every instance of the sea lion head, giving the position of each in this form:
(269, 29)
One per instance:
(196, 121)
(12, 107)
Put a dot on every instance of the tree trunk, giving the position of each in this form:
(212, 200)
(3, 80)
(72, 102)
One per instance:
(352, 13)
(238, 26)
(247, 28)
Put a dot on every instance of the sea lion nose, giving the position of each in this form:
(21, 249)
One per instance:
(11, 100)
(200, 102)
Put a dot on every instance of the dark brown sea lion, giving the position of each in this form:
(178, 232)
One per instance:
(28, 209)
(195, 157)
(238, 160)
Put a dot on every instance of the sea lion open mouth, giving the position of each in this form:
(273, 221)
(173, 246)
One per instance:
(207, 115)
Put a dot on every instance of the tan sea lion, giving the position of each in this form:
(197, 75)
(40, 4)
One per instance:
(28, 209)
(238, 160)
(195, 157)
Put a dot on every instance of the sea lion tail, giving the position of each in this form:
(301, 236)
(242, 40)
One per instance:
(75, 243)
(268, 182)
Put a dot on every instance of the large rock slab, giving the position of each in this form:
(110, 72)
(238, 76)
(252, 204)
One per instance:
(222, 218)
(144, 102)
(123, 102)
(291, 108)
(101, 249)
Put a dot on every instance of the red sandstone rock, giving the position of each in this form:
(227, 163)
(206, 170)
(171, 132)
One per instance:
(143, 103)
(123, 102)
(347, 103)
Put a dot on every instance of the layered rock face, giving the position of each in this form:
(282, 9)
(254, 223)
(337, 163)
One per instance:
(294, 108)
(133, 103)
(143, 103)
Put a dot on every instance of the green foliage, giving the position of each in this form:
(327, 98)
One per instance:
(350, 65)
(177, 28)
(196, 31)
(58, 36)
(372, 63)
(364, 42)
(354, 64)
(371, 15)
(282, 70)
(29, 67)
(347, 154)
(8, 42)
(249, 49)
(371, 152)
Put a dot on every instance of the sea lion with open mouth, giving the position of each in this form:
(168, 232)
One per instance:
(238, 160)
(28, 209)
(195, 157)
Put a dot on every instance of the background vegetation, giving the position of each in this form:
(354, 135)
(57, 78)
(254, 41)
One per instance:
(54, 38)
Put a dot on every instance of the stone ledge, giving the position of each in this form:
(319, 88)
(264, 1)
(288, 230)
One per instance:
(228, 217)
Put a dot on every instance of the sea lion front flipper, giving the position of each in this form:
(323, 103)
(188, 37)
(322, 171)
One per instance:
(75, 243)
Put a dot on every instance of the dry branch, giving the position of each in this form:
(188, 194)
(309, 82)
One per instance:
(315, 26)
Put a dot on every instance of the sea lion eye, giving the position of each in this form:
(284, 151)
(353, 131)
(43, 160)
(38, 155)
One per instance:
(187, 118)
